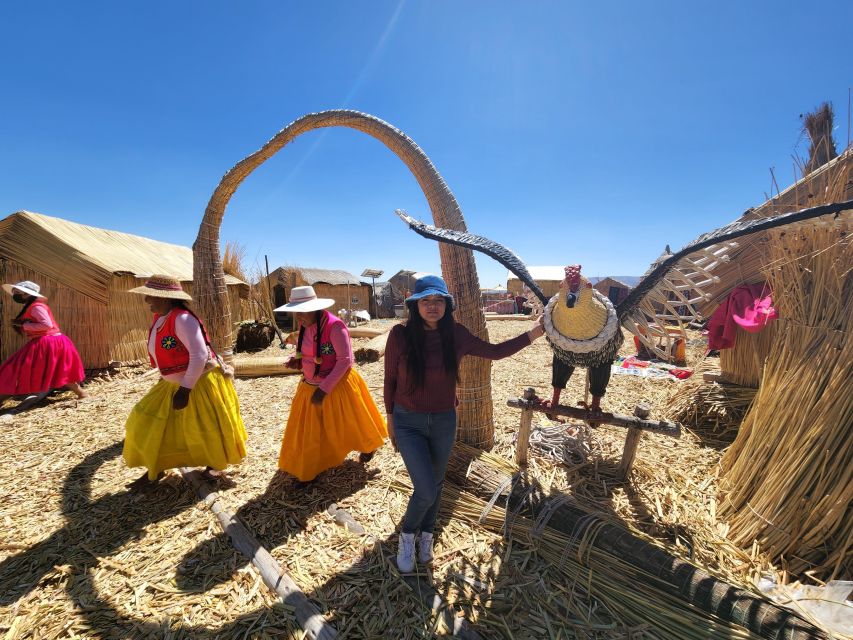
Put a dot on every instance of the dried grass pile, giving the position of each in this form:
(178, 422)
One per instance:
(81, 557)
(712, 410)
(788, 477)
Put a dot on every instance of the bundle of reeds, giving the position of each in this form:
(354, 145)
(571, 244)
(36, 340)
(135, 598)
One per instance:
(788, 477)
(262, 366)
(711, 409)
(743, 364)
(673, 600)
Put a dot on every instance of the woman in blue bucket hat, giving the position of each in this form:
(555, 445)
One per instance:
(422, 359)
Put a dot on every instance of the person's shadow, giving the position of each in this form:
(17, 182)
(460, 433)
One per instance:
(90, 533)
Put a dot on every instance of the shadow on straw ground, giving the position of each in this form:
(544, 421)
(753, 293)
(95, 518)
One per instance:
(90, 524)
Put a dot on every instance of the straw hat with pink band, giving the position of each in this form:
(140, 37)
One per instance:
(162, 286)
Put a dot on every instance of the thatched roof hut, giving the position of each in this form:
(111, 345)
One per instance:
(548, 278)
(385, 296)
(344, 288)
(85, 272)
(403, 282)
(614, 289)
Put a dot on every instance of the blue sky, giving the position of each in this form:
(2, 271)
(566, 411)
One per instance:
(572, 132)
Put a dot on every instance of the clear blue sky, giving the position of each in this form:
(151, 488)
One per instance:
(572, 132)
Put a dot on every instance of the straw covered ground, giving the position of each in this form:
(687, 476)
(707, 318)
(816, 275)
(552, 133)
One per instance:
(80, 556)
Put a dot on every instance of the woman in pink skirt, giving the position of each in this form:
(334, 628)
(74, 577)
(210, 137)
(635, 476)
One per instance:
(48, 360)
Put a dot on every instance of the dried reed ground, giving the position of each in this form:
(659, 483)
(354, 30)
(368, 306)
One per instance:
(80, 557)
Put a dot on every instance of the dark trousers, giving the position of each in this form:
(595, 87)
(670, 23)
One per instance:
(599, 376)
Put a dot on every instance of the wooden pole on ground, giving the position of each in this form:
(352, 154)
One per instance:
(523, 441)
(307, 614)
(632, 441)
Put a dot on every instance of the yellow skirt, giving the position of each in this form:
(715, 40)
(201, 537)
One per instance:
(320, 437)
(208, 432)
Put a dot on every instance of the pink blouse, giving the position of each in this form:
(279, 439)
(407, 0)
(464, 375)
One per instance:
(343, 356)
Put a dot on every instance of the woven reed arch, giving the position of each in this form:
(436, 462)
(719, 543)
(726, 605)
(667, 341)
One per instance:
(457, 263)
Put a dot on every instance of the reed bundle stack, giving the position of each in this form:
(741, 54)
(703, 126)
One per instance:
(628, 578)
(788, 477)
(457, 264)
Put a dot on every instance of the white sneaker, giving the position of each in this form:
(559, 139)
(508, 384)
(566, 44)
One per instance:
(425, 548)
(406, 553)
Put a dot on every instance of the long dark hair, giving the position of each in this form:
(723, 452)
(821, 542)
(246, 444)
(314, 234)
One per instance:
(415, 333)
(320, 319)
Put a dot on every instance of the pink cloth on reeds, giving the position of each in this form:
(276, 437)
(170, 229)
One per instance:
(749, 306)
(42, 364)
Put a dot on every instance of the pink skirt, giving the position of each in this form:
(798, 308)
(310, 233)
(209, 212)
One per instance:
(44, 363)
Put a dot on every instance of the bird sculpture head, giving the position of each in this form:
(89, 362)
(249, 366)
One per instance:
(577, 313)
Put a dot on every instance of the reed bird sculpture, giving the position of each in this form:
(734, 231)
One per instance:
(583, 327)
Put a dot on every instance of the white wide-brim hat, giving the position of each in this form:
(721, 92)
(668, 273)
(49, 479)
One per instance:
(25, 286)
(304, 300)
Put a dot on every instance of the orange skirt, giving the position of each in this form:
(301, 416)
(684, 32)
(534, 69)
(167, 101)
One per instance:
(319, 437)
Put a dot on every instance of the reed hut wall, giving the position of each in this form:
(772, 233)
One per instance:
(613, 289)
(344, 288)
(549, 287)
(743, 364)
(85, 273)
(80, 317)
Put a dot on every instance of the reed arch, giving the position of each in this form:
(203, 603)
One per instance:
(457, 263)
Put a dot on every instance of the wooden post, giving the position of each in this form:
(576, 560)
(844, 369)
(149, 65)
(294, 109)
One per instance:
(632, 441)
(277, 580)
(524, 430)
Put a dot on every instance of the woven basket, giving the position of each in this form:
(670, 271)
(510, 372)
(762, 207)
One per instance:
(457, 263)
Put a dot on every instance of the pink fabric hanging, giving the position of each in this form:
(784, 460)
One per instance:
(749, 306)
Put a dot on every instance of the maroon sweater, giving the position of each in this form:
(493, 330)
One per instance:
(438, 393)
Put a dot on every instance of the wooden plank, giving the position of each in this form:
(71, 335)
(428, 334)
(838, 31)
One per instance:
(662, 426)
(307, 614)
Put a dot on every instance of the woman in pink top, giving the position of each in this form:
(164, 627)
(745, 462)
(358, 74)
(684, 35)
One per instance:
(332, 412)
(48, 360)
(421, 367)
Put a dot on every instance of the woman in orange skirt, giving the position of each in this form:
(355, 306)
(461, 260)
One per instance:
(332, 412)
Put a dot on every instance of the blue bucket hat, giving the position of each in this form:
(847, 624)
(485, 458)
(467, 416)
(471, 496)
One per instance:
(430, 286)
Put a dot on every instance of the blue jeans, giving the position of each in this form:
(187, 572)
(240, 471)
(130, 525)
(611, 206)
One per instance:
(424, 441)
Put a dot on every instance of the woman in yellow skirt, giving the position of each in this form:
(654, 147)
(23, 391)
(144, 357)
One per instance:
(332, 412)
(191, 417)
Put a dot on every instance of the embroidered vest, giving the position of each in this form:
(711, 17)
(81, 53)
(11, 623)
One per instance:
(327, 350)
(27, 316)
(172, 356)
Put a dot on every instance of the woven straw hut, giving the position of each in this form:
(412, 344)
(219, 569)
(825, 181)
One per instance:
(614, 289)
(344, 288)
(85, 272)
(403, 282)
(457, 263)
(548, 279)
(384, 298)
